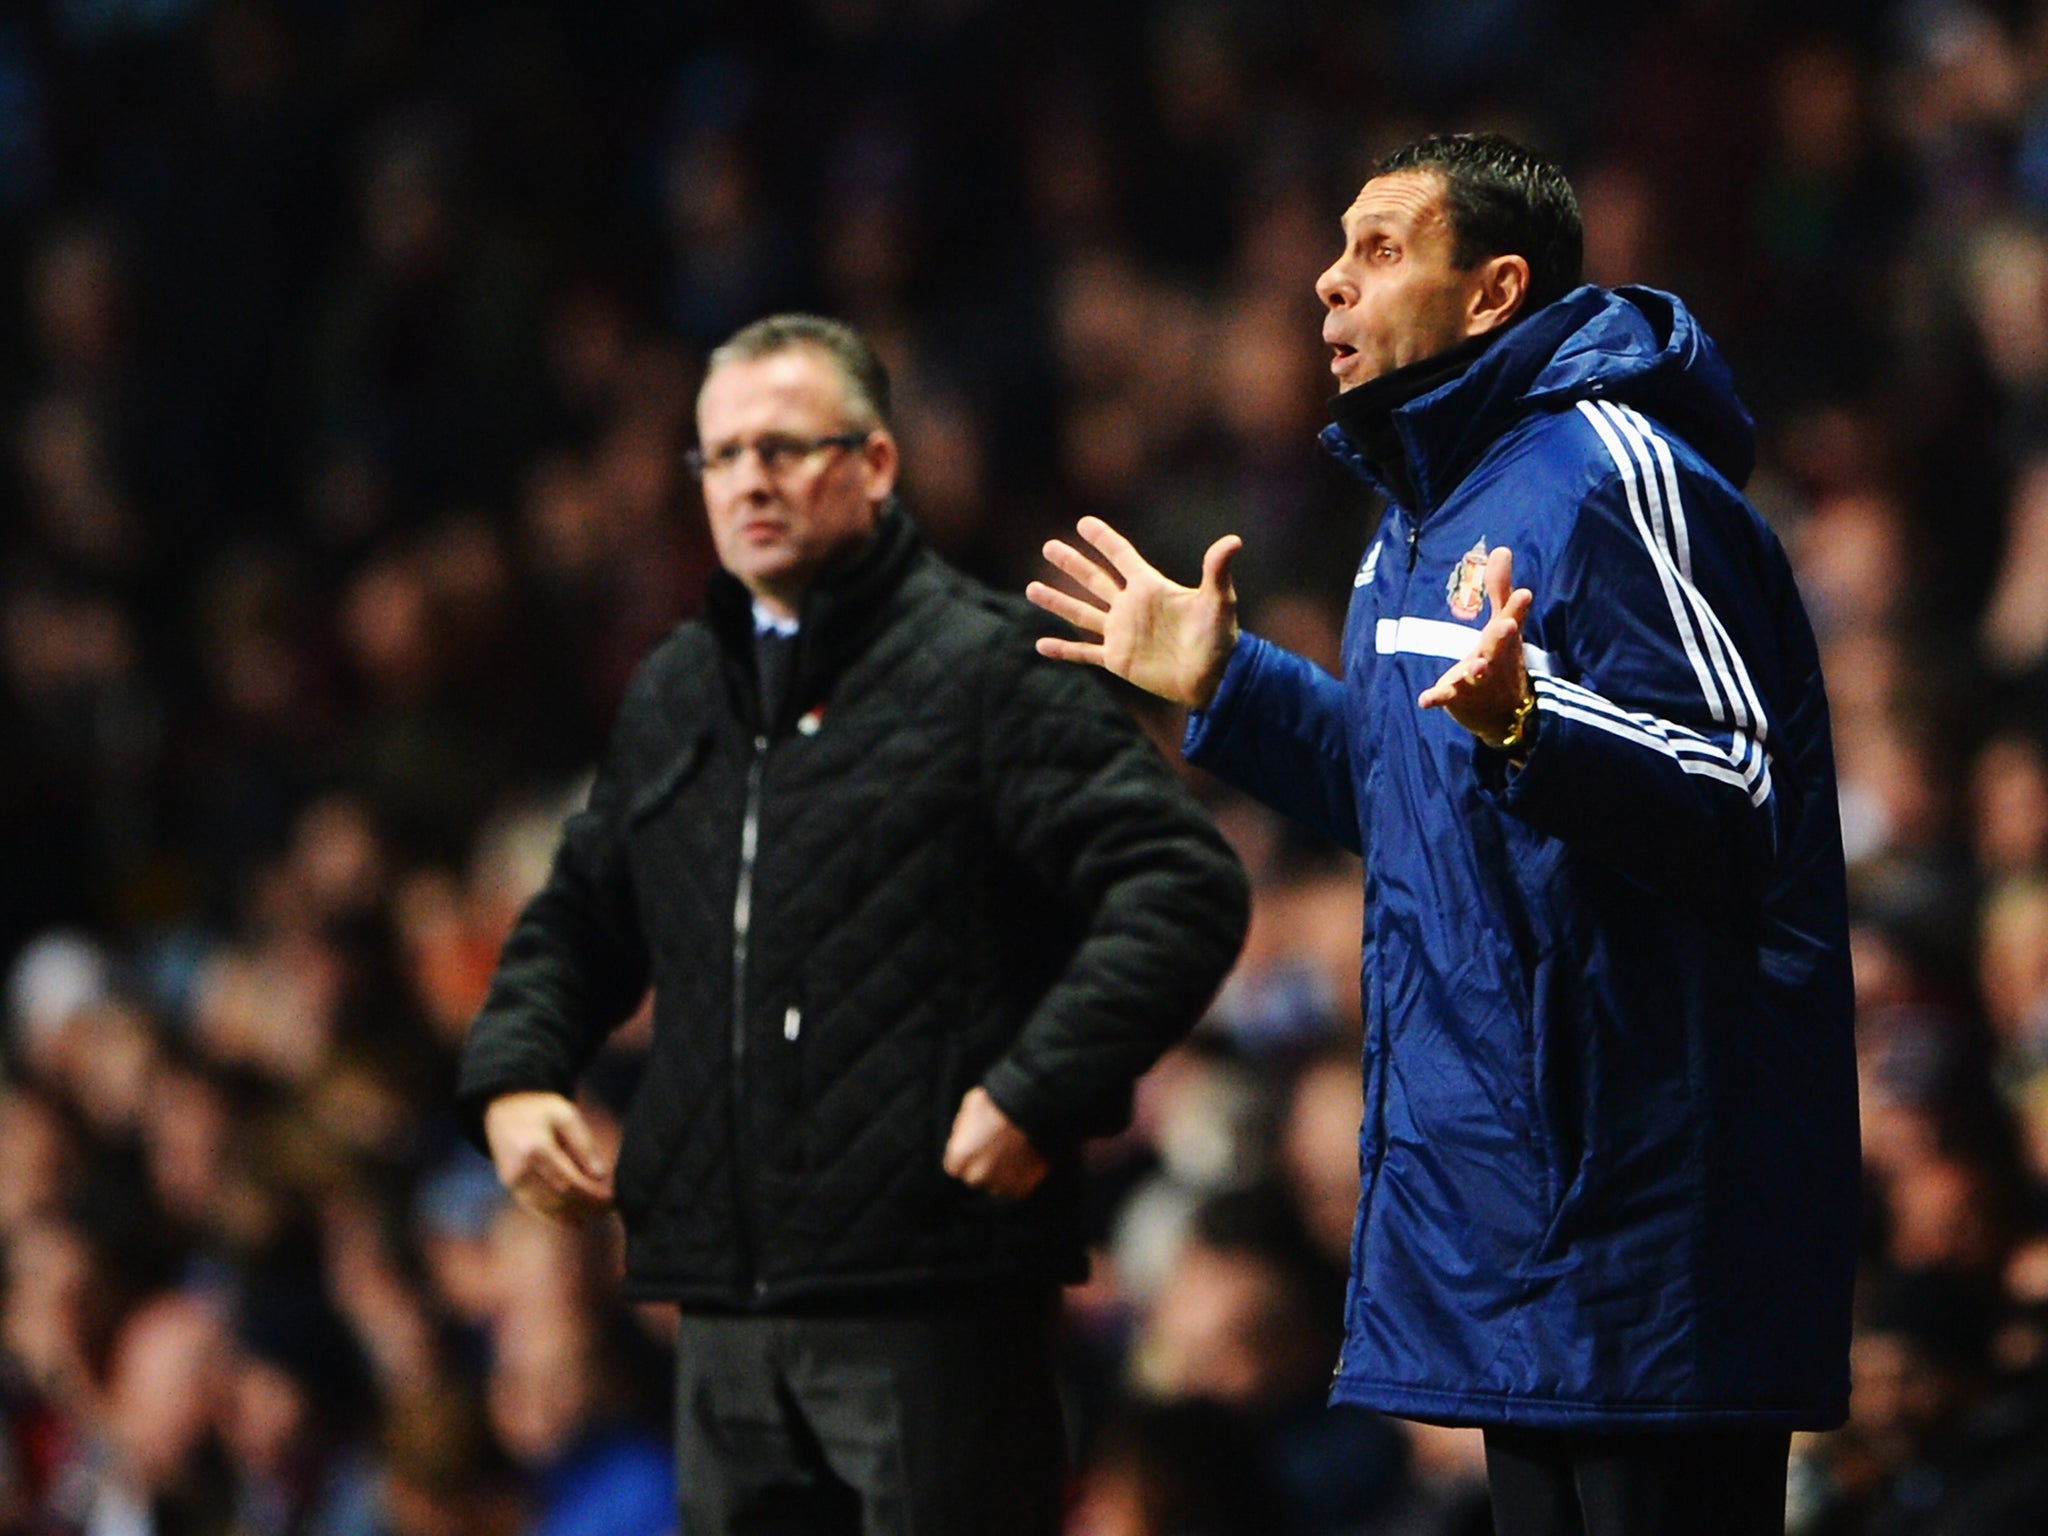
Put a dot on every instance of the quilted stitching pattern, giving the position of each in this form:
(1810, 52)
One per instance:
(873, 915)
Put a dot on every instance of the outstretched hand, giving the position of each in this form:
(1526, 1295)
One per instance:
(1483, 692)
(1167, 639)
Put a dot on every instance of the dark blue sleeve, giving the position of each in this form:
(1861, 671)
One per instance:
(1655, 739)
(1276, 731)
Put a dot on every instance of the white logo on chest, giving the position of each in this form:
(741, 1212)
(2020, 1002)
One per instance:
(1370, 569)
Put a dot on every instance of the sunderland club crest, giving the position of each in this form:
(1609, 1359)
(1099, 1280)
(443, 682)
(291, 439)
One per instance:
(1466, 590)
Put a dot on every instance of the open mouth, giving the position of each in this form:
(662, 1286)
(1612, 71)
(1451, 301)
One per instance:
(1340, 355)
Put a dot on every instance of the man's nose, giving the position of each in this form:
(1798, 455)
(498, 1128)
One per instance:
(750, 473)
(1330, 286)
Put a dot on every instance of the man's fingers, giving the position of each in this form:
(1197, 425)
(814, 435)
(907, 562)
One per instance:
(1085, 617)
(1089, 573)
(1015, 1176)
(985, 1151)
(1088, 653)
(569, 1187)
(1008, 1177)
(970, 1168)
(564, 1157)
(1119, 551)
(569, 1208)
(576, 1183)
(574, 1133)
(548, 1181)
(1457, 679)
(1216, 565)
(1500, 576)
(954, 1159)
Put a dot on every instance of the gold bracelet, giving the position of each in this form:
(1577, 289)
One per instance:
(1518, 734)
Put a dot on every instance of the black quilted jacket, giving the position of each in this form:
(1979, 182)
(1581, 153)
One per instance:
(947, 862)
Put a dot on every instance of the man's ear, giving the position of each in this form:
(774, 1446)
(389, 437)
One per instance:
(1503, 285)
(878, 466)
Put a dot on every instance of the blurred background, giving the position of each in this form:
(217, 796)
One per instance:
(347, 350)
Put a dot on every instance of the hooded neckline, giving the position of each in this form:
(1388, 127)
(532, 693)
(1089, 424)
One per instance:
(1366, 414)
(1637, 346)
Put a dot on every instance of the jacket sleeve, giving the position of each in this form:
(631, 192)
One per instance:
(1656, 753)
(1276, 731)
(1084, 800)
(573, 968)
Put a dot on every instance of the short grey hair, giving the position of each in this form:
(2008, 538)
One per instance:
(860, 371)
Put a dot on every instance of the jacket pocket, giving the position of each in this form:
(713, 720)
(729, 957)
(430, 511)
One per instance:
(652, 1141)
(1557, 1087)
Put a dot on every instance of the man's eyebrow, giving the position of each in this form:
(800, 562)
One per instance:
(1376, 217)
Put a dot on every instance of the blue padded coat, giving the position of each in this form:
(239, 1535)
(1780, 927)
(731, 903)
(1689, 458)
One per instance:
(1609, 1153)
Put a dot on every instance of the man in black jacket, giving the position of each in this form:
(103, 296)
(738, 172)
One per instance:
(917, 909)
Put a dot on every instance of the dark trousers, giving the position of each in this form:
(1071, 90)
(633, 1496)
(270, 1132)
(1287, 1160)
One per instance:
(941, 1421)
(1690, 1483)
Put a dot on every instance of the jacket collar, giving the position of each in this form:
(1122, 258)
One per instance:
(840, 614)
(1633, 345)
(1365, 415)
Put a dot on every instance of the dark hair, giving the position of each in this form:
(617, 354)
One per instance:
(859, 369)
(1502, 198)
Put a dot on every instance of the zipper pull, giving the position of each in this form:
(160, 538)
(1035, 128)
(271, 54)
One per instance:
(1414, 542)
(792, 1022)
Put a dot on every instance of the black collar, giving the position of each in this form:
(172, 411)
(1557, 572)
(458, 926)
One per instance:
(840, 614)
(1366, 414)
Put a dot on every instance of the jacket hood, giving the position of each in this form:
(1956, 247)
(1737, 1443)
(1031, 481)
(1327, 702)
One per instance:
(1638, 346)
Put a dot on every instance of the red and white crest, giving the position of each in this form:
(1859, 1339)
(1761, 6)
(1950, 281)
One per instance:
(1466, 590)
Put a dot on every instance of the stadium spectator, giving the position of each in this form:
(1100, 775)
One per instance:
(196, 471)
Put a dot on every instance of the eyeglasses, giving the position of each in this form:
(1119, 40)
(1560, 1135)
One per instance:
(779, 454)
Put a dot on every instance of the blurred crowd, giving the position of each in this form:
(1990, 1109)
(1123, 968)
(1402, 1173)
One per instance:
(347, 354)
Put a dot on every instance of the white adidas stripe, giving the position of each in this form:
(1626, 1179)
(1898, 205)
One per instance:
(1699, 767)
(1681, 736)
(1410, 636)
(1749, 710)
(1723, 677)
(1666, 577)
(1694, 752)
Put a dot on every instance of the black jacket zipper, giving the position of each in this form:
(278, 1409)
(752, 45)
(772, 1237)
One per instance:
(742, 922)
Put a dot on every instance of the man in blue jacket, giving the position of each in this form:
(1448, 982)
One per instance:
(1609, 1154)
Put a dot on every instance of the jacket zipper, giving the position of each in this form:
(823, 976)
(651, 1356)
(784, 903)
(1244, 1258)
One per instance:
(742, 922)
(1414, 540)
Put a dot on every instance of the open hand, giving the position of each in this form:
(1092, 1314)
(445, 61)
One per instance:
(1170, 640)
(1483, 691)
(547, 1156)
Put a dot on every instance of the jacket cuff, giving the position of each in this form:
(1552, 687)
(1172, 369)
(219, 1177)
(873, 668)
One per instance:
(1031, 1109)
(472, 1098)
(1510, 781)
(1208, 728)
